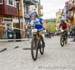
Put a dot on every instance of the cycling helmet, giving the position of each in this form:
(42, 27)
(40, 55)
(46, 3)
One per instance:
(33, 14)
(62, 18)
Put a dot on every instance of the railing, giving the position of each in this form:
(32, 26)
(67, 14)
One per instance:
(32, 2)
(13, 27)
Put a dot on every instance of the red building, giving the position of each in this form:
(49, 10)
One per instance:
(8, 11)
(8, 8)
(71, 11)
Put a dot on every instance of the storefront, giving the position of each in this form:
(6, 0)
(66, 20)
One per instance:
(19, 26)
(6, 24)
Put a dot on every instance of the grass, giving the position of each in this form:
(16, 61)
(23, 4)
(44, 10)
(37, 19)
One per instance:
(51, 27)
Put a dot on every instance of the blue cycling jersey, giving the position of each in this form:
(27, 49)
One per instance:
(37, 20)
(37, 23)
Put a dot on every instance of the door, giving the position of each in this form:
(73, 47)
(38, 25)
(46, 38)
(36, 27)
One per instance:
(6, 26)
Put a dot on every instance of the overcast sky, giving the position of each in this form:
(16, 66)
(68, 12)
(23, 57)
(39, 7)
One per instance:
(50, 7)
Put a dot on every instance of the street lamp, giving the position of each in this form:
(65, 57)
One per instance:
(18, 6)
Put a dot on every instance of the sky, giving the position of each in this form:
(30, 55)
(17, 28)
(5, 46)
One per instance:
(50, 7)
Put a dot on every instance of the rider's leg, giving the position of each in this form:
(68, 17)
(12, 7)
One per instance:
(43, 37)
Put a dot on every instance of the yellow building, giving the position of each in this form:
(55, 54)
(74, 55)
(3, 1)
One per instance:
(1, 28)
(40, 8)
(58, 16)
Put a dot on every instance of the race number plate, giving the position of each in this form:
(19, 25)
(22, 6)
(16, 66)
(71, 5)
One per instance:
(34, 30)
(62, 30)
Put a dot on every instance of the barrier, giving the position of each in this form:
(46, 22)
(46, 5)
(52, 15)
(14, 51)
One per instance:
(23, 39)
(13, 27)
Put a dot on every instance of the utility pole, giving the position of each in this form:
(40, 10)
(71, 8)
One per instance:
(38, 6)
(18, 36)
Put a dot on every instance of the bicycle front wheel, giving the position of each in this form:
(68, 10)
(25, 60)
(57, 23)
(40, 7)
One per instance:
(62, 41)
(34, 49)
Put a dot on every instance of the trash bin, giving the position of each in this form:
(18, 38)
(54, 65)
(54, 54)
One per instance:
(10, 34)
(17, 35)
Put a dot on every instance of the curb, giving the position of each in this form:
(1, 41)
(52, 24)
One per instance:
(13, 40)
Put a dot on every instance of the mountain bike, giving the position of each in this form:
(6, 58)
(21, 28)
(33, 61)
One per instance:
(37, 43)
(63, 38)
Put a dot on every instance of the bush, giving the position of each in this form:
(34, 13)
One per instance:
(51, 28)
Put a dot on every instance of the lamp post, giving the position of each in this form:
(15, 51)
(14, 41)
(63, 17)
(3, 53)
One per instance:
(38, 6)
(18, 31)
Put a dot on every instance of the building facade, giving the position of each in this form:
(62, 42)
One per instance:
(15, 14)
(58, 16)
(8, 11)
(70, 11)
(28, 6)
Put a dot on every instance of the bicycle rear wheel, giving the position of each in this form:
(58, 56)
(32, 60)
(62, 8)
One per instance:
(42, 45)
(41, 48)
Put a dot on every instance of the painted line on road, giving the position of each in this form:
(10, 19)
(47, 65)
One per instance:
(4, 49)
(26, 48)
(16, 47)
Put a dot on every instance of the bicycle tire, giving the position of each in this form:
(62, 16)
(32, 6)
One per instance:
(41, 44)
(42, 50)
(62, 41)
(34, 42)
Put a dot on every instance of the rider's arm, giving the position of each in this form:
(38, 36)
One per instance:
(44, 24)
(66, 25)
(31, 22)
(59, 26)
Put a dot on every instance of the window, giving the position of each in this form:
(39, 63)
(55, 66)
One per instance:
(74, 0)
(1, 1)
(11, 2)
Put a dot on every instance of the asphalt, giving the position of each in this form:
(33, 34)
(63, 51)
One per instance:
(54, 58)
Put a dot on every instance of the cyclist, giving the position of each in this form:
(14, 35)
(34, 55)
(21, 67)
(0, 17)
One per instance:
(63, 26)
(34, 21)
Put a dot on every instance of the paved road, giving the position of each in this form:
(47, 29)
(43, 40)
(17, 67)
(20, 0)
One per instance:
(55, 57)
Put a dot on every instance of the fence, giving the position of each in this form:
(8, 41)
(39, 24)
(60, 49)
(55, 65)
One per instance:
(4, 39)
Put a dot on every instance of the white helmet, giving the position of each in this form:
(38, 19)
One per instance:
(63, 18)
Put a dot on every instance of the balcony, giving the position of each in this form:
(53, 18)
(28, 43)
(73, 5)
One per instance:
(30, 2)
(6, 10)
(71, 7)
